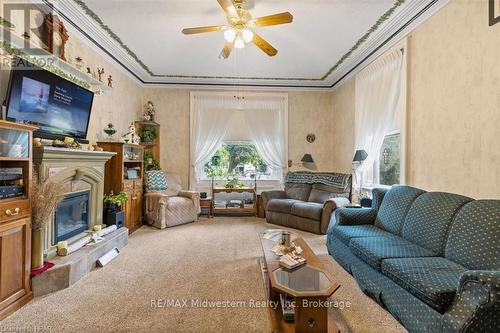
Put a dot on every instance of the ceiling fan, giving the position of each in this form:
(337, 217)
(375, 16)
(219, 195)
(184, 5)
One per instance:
(239, 29)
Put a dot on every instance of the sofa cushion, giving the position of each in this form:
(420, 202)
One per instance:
(375, 249)
(156, 180)
(394, 208)
(429, 219)
(473, 240)
(434, 280)
(320, 193)
(346, 232)
(281, 205)
(310, 210)
(298, 191)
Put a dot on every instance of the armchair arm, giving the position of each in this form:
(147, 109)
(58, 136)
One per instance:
(268, 195)
(354, 216)
(193, 195)
(476, 304)
(328, 207)
(156, 206)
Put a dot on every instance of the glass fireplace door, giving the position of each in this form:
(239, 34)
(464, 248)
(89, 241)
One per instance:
(72, 216)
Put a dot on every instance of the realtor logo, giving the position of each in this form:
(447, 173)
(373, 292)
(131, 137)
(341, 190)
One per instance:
(494, 11)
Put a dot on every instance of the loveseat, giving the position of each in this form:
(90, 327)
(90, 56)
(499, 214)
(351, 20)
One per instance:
(308, 200)
(430, 258)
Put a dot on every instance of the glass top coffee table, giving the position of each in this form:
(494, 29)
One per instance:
(309, 286)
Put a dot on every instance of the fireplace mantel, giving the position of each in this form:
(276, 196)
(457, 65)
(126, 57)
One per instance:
(75, 170)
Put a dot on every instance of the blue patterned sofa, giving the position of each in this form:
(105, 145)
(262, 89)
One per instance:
(430, 258)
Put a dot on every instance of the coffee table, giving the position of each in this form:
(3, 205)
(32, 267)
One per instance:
(309, 286)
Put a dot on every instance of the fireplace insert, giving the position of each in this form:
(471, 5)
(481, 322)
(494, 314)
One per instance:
(72, 216)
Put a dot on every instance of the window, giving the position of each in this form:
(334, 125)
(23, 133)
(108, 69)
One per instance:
(387, 169)
(238, 159)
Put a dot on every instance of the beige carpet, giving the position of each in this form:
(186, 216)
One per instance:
(214, 259)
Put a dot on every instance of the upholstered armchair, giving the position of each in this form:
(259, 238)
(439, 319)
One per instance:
(167, 205)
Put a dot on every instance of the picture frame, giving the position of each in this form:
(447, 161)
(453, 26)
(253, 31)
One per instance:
(55, 35)
(494, 12)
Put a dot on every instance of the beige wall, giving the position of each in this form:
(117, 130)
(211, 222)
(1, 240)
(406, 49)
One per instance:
(453, 112)
(343, 128)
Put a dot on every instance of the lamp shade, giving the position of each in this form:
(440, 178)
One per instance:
(307, 158)
(360, 156)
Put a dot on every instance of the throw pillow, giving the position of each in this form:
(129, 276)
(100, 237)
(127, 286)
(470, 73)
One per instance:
(156, 180)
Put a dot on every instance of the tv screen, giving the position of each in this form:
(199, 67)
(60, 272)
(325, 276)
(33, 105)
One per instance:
(59, 107)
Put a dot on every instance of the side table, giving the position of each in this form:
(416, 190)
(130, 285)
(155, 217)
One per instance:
(207, 207)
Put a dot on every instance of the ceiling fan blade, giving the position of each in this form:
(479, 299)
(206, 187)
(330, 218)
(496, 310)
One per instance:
(199, 30)
(264, 46)
(229, 9)
(226, 51)
(275, 19)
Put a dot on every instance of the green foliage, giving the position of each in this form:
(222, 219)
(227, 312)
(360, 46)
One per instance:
(234, 182)
(119, 199)
(147, 134)
(232, 154)
(149, 162)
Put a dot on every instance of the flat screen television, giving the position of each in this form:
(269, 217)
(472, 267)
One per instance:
(58, 106)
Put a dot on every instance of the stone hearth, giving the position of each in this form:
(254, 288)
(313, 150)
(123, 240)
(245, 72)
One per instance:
(76, 171)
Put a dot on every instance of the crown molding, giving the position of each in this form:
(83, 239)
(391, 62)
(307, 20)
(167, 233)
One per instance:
(406, 16)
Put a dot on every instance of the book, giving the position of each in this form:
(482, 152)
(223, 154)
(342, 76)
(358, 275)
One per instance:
(291, 261)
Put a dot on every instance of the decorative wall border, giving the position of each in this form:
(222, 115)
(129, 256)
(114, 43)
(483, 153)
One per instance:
(382, 19)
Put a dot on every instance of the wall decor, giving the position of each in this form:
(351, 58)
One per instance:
(311, 137)
(56, 35)
(494, 9)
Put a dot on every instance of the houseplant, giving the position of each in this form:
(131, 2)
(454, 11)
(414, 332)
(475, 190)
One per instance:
(111, 201)
(147, 135)
(46, 196)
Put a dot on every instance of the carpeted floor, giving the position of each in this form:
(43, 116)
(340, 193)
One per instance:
(214, 259)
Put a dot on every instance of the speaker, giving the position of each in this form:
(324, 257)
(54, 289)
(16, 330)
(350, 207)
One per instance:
(114, 218)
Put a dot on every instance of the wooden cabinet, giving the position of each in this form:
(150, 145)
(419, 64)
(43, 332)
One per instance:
(124, 172)
(15, 216)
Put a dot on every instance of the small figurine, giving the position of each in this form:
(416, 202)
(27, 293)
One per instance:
(131, 136)
(79, 63)
(89, 72)
(100, 72)
(149, 113)
(110, 81)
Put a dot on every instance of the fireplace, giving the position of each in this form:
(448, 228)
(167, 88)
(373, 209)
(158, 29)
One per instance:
(72, 216)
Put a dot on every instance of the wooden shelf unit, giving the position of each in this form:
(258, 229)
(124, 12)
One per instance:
(152, 147)
(15, 218)
(240, 210)
(116, 180)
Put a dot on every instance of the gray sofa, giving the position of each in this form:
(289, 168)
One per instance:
(430, 258)
(308, 200)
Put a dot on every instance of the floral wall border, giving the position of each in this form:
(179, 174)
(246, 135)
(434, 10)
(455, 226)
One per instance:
(382, 19)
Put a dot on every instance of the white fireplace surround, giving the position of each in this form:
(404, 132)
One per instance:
(76, 171)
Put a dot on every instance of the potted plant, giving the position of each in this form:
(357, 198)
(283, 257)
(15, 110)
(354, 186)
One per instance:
(147, 135)
(111, 201)
(46, 196)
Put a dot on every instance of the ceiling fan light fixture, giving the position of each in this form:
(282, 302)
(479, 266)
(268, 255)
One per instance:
(239, 43)
(230, 35)
(247, 35)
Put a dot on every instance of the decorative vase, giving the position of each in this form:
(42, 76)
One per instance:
(110, 131)
(36, 248)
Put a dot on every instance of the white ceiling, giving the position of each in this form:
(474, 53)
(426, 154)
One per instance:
(154, 50)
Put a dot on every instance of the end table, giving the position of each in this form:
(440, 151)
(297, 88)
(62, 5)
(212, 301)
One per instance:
(207, 207)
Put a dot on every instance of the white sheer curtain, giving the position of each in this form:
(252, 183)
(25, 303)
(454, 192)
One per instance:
(378, 89)
(266, 121)
(211, 117)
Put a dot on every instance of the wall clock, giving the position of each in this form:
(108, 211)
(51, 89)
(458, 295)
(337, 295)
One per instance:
(56, 35)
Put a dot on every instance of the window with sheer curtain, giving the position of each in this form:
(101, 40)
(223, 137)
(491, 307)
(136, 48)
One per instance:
(380, 120)
(245, 136)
